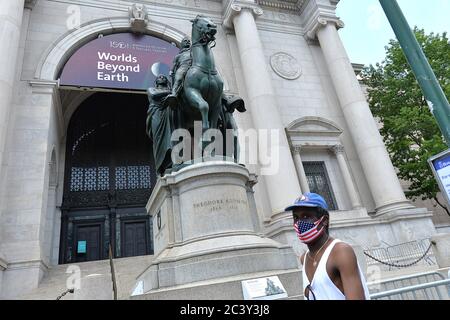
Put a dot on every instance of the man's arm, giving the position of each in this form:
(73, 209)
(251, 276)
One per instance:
(347, 266)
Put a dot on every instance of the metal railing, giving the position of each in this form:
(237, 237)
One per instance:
(64, 293)
(402, 255)
(420, 286)
(437, 290)
(113, 273)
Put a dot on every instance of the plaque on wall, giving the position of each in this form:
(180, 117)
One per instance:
(269, 288)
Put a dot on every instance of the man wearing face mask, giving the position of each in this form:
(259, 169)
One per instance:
(330, 268)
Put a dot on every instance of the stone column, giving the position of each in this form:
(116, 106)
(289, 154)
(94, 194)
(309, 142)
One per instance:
(377, 166)
(24, 216)
(281, 186)
(300, 169)
(352, 192)
(11, 13)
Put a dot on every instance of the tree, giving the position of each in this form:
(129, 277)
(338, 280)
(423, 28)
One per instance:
(409, 130)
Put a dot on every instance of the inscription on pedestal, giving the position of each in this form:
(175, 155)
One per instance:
(220, 204)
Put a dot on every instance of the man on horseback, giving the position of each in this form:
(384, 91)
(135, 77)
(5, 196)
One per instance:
(181, 65)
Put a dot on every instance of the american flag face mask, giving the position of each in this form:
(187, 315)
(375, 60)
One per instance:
(307, 231)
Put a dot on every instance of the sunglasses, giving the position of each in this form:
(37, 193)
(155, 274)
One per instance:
(308, 290)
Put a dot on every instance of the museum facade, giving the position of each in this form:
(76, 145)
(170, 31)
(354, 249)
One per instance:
(77, 167)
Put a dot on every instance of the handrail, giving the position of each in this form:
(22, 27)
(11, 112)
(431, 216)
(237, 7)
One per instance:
(410, 288)
(411, 276)
(71, 290)
(113, 273)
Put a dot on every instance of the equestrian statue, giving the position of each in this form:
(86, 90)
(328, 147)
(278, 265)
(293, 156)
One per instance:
(196, 94)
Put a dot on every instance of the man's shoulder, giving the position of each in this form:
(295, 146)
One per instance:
(343, 252)
(341, 245)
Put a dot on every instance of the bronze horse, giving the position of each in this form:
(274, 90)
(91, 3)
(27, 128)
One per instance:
(200, 97)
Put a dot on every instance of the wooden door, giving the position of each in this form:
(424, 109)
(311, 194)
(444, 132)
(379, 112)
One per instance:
(134, 239)
(91, 235)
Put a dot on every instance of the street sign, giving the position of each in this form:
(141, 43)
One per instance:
(440, 165)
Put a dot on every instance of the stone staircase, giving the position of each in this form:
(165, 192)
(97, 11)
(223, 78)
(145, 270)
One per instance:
(95, 284)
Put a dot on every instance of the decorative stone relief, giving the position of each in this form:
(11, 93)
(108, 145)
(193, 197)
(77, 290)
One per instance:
(285, 65)
(337, 149)
(138, 17)
(315, 24)
(29, 4)
(296, 149)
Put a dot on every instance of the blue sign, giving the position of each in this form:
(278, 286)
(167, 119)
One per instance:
(442, 163)
(81, 247)
(441, 169)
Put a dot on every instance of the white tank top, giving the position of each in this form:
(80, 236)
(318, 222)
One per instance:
(321, 284)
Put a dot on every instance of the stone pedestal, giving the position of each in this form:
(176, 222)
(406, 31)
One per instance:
(206, 228)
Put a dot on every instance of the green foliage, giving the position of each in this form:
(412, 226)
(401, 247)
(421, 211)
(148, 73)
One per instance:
(410, 131)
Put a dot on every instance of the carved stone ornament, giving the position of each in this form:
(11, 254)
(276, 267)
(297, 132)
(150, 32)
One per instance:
(158, 219)
(29, 4)
(138, 17)
(337, 149)
(320, 22)
(285, 65)
(235, 7)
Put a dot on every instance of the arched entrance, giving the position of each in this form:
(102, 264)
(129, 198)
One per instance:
(109, 176)
(106, 156)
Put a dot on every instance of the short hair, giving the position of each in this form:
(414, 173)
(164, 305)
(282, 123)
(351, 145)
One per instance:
(320, 212)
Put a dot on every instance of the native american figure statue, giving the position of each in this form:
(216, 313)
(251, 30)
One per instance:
(159, 124)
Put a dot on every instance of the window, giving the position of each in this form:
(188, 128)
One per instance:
(318, 181)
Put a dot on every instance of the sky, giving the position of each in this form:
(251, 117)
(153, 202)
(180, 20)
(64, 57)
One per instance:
(367, 30)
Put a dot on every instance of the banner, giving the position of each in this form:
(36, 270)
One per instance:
(119, 61)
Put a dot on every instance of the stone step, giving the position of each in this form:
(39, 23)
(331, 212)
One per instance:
(96, 281)
(228, 288)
